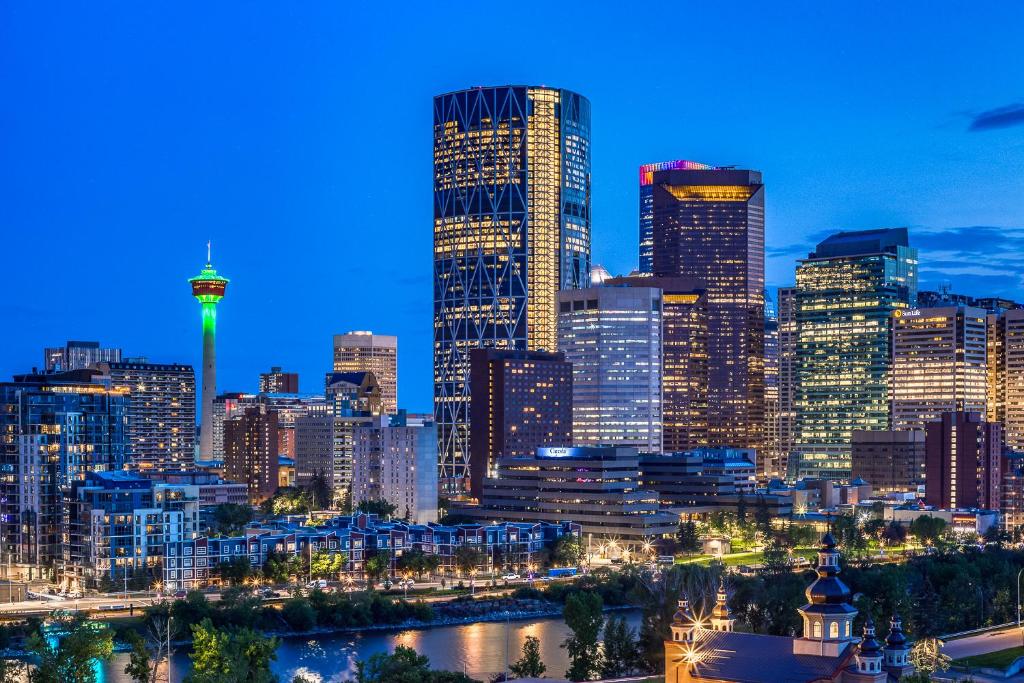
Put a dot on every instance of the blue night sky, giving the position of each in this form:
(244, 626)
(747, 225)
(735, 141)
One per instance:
(297, 136)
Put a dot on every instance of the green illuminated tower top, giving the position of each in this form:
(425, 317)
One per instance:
(209, 288)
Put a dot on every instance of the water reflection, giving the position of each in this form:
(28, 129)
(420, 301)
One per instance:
(479, 650)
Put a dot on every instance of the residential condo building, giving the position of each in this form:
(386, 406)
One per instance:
(363, 351)
(78, 355)
(395, 459)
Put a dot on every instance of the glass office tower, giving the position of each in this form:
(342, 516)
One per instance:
(708, 227)
(647, 205)
(511, 229)
(847, 291)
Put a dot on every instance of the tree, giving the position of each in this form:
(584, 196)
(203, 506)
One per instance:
(928, 529)
(926, 656)
(776, 557)
(619, 652)
(235, 571)
(140, 667)
(468, 558)
(530, 664)
(324, 564)
(569, 551)
(376, 566)
(404, 666)
(67, 648)
(689, 541)
(582, 614)
(229, 519)
(762, 516)
(320, 491)
(230, 656)
(299, 614)
(741, 511)
(381, 508)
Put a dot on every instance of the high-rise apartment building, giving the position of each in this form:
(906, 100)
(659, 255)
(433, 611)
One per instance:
(522, 400)
(511, 229)
(612, 337)
(787, 377)
(847, 290)
(708, 227)
(278, 382)
(892, 462)
(161, 414)
(54, 428)
(288, 408)
(395, 460)
(361, 351)
(77, 355)
(963, 462)
(938, 364)
(250, 451)
(684, 359)
(1006, 376)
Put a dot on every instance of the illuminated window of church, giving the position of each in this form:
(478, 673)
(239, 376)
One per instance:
(817, 629)
(833, 629)
(847, 629)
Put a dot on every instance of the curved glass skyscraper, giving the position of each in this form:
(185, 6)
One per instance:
(511, 228)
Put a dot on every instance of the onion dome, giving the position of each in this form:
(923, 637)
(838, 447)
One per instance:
(683, 616)
(896, 640)
(721, 610)
(869, 647)
(828, 589)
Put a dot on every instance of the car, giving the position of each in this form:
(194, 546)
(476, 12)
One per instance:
(319, 583)
(181, 594)
(510, 577)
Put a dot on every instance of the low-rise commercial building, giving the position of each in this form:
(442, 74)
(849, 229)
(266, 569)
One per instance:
(596, 486)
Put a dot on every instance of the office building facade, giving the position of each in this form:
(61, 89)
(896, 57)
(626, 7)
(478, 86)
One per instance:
(647, 204)
(161, 413)
(787, 378)
(597, 487)
(54, 429)
(684, 359)
(939, 364)
(847, 290)
(511, 229)
(770, 455)
(1006, 376)
(612, 337)
(521, 400)
(363, 351)
(395, 460)
(963, 462)
(250, 451)
(279, 382)
(891, 461)
(78, 355)
(708, 227)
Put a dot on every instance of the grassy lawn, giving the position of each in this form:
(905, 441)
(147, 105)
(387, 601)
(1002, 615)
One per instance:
(992, 660)
(735, 559)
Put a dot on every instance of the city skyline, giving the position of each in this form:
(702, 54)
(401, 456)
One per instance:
(882, 165)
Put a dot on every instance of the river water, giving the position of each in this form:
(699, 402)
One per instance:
(477, 649)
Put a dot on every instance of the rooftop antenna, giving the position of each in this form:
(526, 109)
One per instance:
(208, 260)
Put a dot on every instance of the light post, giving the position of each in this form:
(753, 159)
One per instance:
(1018, 605)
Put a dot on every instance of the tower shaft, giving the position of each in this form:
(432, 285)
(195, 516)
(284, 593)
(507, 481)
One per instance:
(209, 310)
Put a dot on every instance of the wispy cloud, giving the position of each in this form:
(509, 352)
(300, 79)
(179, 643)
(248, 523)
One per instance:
(1002, 117)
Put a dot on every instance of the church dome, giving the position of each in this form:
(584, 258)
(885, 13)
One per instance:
(828, 589)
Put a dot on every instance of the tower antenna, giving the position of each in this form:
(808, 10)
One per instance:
(208, 259)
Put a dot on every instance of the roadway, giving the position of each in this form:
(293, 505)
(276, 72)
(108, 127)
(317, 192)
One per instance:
(983, 643)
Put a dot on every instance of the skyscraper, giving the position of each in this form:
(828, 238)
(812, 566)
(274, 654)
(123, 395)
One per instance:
(511, 228)
(361, 351)
(939, 364)
(522, 400)
(847, 290)
(76, 355)
(278, 382)
(708, 226)
(395, 460)
(647, 204)
(684, 359)
(1006, 376)
(612, 337)
(161, 413)
(768, 458)
(208, 288)
(787, 376)
(963, 462)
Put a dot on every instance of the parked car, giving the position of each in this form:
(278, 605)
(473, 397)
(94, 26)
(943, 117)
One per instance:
(510, 577)
(317, 583)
